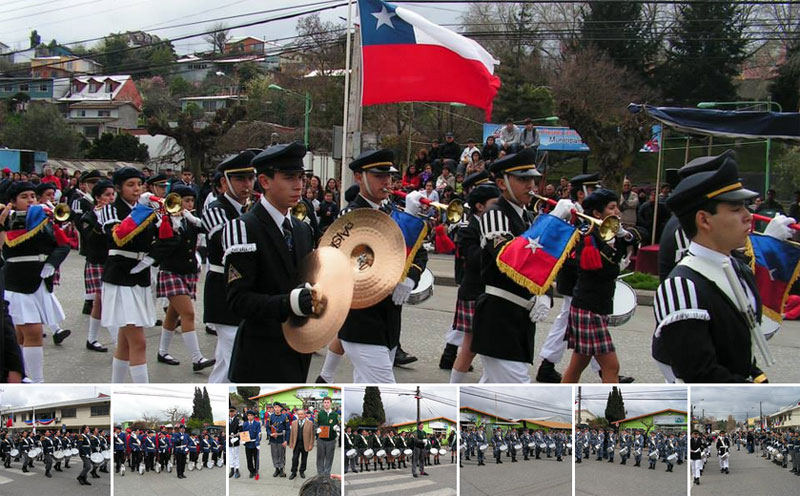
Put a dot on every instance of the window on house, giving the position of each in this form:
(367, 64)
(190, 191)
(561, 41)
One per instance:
(104, 113)
(8, 88)
(24, 87)
(94, 87)
(69, 413)
(100, 410)
(43, 88)
(81, 113)
(91, 132)
(109, 87)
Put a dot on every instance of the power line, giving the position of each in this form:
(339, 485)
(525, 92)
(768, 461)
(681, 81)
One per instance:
(60, 8)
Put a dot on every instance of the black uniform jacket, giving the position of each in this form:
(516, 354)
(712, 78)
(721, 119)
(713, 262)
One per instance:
(502, 329)
(380, 323)
(10, 354)
(94, 243)
(178, 255)
(215, 304)
(469, 250)
(260, 273)
(23, 277)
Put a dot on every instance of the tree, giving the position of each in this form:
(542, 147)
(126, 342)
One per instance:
(218, 37)
(118, 147)
(598, 423)
(174, 415)
(373, 405)
(209, 413)
(42, 127)
(322, 45)
(36, 40)
(785, 89)
(113, 53)
(201, 406)
(247, 392)
(592, 95)
(731, 424)
(706, 49)
(615, 407)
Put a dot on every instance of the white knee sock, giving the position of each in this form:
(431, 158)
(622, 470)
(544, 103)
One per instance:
(166, 339)
(94, 326)
(190, 340)
(54, 327)
(328, 371)
(139, 374)
(114, 333)
(119, 370)
(457, 377)
(34, 363)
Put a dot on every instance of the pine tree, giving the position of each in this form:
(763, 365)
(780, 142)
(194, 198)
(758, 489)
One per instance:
(373, 405)
(197, 404)
(707, 48)
(208, 414)
(785, 89)
(615, 407)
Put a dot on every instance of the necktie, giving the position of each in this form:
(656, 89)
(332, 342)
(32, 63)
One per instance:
(287, 234)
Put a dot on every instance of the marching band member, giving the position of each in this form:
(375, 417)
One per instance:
(279, 429)
(480, 439)
(511, 440)
(85, 451)
(177, 282)
(194, 449)
(234, 427)
(350, 462)
(150, 451)
(237, 181)
(376, 444)
(251, 448)
(6, 445)
(119, 448)
(263, 248)
(34, 249)
(507, 358)
(94, 245)
(181, 447)
(205, 445)
(80, 203)
(362, 445)
(403, 443)
(695, 454)
(638, 446)
(326, 445)
(496, 442)
(724, 448)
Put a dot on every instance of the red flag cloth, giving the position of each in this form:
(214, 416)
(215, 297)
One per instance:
(443, 242)
(165, 230)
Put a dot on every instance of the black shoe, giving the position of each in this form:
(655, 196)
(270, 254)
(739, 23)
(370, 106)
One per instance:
(293, 476)
(211, 331)
(236, 474)
(320, 380)
(548, 373)
(94, 475)
(230, 474)
(282, 474)
(61, 335)
(87, 306)
(448, 357)
(403, 358)
(415, 476)
(86, 482)
(159, 323)
(95, 346)
(625, 379)
(203, 364)
(302, 475)
(168, 359)
(425, 473)
(47, 474)
(80, 479)
(252, 474)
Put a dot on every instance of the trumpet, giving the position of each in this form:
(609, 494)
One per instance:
(60, 213)
(171, 204)
(300, 211)
(453, 211)
(251, 200)
(608, 227)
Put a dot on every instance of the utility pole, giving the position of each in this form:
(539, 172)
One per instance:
(419, 398)
(351, 144)
(579, 406)
(761, 415)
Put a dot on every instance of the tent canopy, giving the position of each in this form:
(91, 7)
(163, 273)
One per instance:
(725, 123)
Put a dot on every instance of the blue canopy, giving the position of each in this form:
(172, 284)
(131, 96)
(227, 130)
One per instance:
(725, 123)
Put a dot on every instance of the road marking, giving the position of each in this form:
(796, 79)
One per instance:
(376, 480)
(20, 472)
(447, 491)
(5, 480)
(408, 488)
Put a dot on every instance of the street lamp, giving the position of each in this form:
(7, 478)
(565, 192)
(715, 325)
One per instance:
(235, 82)
(307, 98)
(769, 104)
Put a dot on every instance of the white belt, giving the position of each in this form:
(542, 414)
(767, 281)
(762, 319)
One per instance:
(219, 269)
(506, 295)
(135, 255)
(28, 258)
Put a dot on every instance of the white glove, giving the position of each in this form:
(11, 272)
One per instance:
(301, 300)
(336, 427)
(540, 309)
(402, 291)
(779, 228)
(319, 429)
(145, 263)
(47, 271)
(413, 204)
(563, 209)
(176, 222)
(624, 233)
(144, 199)
(191, 218)
(623, 264)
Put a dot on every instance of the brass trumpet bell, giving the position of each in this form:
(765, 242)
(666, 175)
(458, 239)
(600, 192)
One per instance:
(608, 227)
(454, 211)
(61, 212)
(172, 203)
(300, 211)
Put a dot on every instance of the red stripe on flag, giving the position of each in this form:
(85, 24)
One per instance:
(425, 73)
(771, 291)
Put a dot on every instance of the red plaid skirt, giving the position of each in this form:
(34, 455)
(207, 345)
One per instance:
(587, 332)
(170, 284)
(93, 278)
(465, 313)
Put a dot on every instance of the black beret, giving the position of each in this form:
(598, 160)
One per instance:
(476, 178)
(242, 162)
(281, 158)
(157, 178)
(706, 164)
(522, 164)
(722, 184)
(483, 193)
(89, 175)
(42, 187)
(18, 187)
(374, 161)
(182, 190)
(216, 179)
(351, 193)
(125, 173)
(581, 179)
(598, 200)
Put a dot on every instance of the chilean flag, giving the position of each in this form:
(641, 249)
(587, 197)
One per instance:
(533, 259)
(407, 58)
(414, 231)
(776, 265)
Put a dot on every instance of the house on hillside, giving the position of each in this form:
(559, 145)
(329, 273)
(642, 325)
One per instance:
(102, 104)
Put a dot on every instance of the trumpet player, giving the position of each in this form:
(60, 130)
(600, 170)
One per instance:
(723, 452)
(34, 249)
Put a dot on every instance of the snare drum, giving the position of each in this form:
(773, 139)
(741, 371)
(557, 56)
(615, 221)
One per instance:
(380, 453)
(483, 447)
(106, 454)
(517, 447)
(532, 445)
(34, 452)
(442, 451)
(408, 452)
(351, 453)
(624, 304)
(368, 453)
(672, 458)
(504, 448)
(97, 458)
(424, 288)
(58, 455)
(14, 452)
(395, 452)
(434, 451)
(220, 462)
(75, 451)
(210, 464)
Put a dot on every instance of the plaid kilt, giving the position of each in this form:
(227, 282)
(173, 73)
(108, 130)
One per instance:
(465, 313)
(587, 332)
(93, 278)
(170, 284)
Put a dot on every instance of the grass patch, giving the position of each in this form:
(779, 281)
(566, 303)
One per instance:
(640, 280)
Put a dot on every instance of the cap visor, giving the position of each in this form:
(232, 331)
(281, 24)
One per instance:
(525, 173)
(736, 195)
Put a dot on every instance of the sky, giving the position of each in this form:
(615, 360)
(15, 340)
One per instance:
(23, 395)
(402, 407)
(130, 403)
(742, 401)
(520, 402)
(75, 20)
(638, 400)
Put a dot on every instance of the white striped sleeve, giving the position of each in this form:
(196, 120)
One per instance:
(213, 220)
(676, 300)
(108, 215)
(234, 239)
(76, 206)
(494, 224)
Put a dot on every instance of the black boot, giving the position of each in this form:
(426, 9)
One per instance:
(448, 356)
(547, 372)
(403, 358)
(87, 306)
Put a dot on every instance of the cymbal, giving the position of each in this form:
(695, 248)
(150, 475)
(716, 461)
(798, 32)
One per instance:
(328, 271)
(377, 251)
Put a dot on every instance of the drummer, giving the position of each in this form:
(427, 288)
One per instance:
(47, 449)
(593, 296)
(362, 445)
(350, 461)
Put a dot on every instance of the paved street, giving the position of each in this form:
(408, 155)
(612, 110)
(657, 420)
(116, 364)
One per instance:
(14, 482)
(440, 482)
(206, 482)
(424, 328)
(545, 477)
(749, 474)
(267, 485)
(593, 478)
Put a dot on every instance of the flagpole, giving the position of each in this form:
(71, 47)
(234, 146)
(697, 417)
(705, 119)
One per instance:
(344, 182)
(661, 143)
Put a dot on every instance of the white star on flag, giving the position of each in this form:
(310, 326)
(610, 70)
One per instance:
(771, 274)
(384, 17)
(533, 244)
